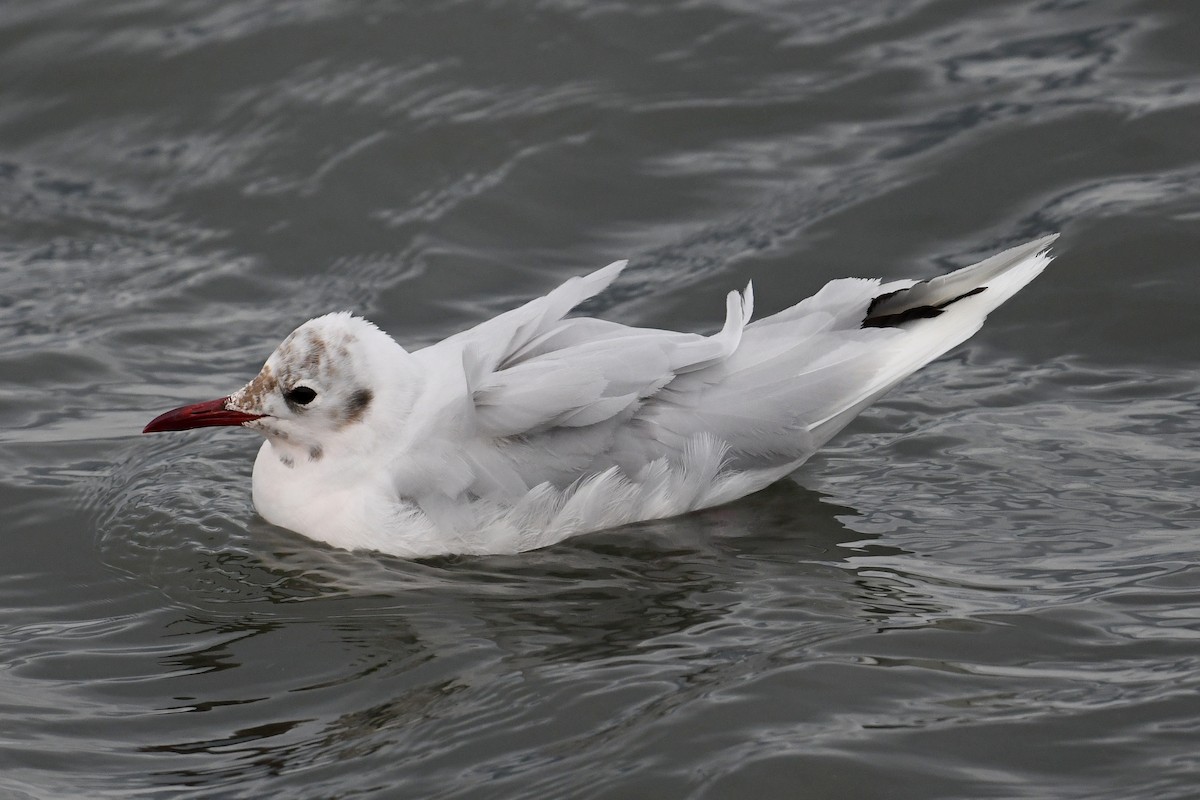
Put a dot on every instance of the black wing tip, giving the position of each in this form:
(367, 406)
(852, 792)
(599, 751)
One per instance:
(909, 314)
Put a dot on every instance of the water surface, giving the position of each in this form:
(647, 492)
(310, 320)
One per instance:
(986, 587)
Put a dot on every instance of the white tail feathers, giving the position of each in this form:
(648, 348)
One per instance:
(934, 316)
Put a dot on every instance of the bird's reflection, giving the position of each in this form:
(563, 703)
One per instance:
(306, 653)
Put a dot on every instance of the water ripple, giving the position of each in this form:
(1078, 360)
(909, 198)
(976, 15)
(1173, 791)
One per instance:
(985, 588)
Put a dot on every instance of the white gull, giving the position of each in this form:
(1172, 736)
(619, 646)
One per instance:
(533, 427)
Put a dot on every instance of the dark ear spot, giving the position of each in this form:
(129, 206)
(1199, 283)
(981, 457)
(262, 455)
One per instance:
(358, 404)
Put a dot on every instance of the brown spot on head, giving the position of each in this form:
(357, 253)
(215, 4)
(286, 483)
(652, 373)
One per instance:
(315, 452)
(264, 383)
(314, 355)
(357, 407)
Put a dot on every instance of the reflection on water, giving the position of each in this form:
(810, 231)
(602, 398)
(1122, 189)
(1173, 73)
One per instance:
(985, 588)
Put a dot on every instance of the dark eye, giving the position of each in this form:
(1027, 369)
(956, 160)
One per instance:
(300, 395)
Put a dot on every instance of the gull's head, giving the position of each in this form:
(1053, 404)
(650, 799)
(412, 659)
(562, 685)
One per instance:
(323, 381)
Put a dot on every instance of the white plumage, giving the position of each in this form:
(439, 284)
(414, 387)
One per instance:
(533, 427)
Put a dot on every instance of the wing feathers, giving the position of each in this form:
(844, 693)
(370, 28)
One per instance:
(582, 372)
(556, 398)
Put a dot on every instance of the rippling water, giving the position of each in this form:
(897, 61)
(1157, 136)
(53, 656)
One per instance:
(987, 587)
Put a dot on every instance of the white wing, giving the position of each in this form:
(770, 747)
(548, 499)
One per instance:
(530, 397)
(800, 376)
(547, 395)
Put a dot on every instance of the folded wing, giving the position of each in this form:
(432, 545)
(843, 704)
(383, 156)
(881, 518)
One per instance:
(546, 399)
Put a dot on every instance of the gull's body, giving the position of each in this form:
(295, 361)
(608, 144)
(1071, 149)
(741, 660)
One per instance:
(532, 427)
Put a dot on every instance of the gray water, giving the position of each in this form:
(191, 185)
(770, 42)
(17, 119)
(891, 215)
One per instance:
(985, 588)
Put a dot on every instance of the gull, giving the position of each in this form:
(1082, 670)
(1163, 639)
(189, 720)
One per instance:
(535, 426)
